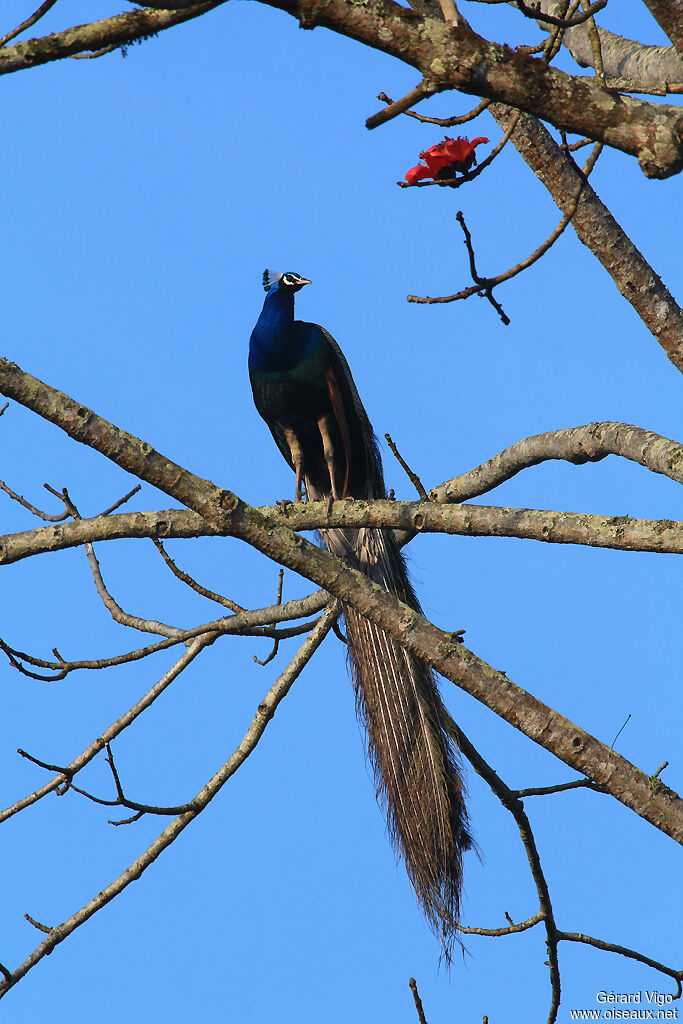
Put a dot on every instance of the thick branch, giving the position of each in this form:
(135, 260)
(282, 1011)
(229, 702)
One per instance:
(622, 533)
(116, 31)
(453, 57)
(599, 231)
(228, 514)
(669, 15)
(578, 445)
(651, 67)
(448, 56)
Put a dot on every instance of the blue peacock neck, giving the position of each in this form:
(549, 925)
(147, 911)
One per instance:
(275, 345)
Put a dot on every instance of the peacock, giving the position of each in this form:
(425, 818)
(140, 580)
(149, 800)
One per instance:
(303, 389)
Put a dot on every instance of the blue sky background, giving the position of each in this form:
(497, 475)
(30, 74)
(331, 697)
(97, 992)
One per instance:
(142, 199)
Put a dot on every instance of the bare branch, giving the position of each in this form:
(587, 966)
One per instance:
(276, 642)
(231, 516)
(197, 587)
(264, 714)
(611, 947)
(562, 787)
(36, 924)
(31, 508)
(420, 92)
(418, 1002)
(599, 231)
(669, 16)
(122, 501)
(98, 53)
(247, 623)
(622, 533)
(413, 477)
(578, 445)
(36, 16)
(535, 11)
(516, 808)
(110, 32)
(116, 611)
(464, 61)
(444, 122)
(511, 929)
(485, 285)
(115, 729)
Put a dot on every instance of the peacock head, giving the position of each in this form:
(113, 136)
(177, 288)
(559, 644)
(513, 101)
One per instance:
(289, 282)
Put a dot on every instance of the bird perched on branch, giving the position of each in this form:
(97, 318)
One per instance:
(304, 390)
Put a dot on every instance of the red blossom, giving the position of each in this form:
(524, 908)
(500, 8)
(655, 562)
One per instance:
(444, 159)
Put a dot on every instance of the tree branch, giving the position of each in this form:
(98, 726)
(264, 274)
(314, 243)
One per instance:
(116, 31)
(621, 533)
(453, 57)
(448, 56)
(264, 714)
(110, 733)
(650, 67)
(599, 231)
(230, 516)
(669, 16)
(578, 445)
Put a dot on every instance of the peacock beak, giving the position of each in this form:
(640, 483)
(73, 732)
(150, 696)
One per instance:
(304, 280)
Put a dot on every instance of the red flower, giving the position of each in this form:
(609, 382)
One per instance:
(444, 159)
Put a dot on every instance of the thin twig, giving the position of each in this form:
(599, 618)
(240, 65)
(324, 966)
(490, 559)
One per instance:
(420, 92)
(484, 285)
(562, 787)
(116, 611)
(121, 800)
(98, 53)
(631, 954)
(276, 642)
(533, 11)
(628, 718)
(38, 925)
(190, 582)
(121, 501)
(36, 16)
(31, 508)
(262, 717)
(413, 477)
(418, 1002)
(443, 122)
(594, 36)
(555, 37)
(114, 730)
(514, 805)
(511, 929)
(210, 631)
(566, 147)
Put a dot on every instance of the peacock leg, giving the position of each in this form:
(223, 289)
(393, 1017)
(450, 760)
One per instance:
(328, 451)
(297, 461)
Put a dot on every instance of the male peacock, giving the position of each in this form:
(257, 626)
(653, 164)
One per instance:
(304, 390)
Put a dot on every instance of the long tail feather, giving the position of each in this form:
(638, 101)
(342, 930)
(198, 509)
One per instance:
(415, 761)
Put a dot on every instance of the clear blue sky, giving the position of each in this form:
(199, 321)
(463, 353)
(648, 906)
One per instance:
(142, 199)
